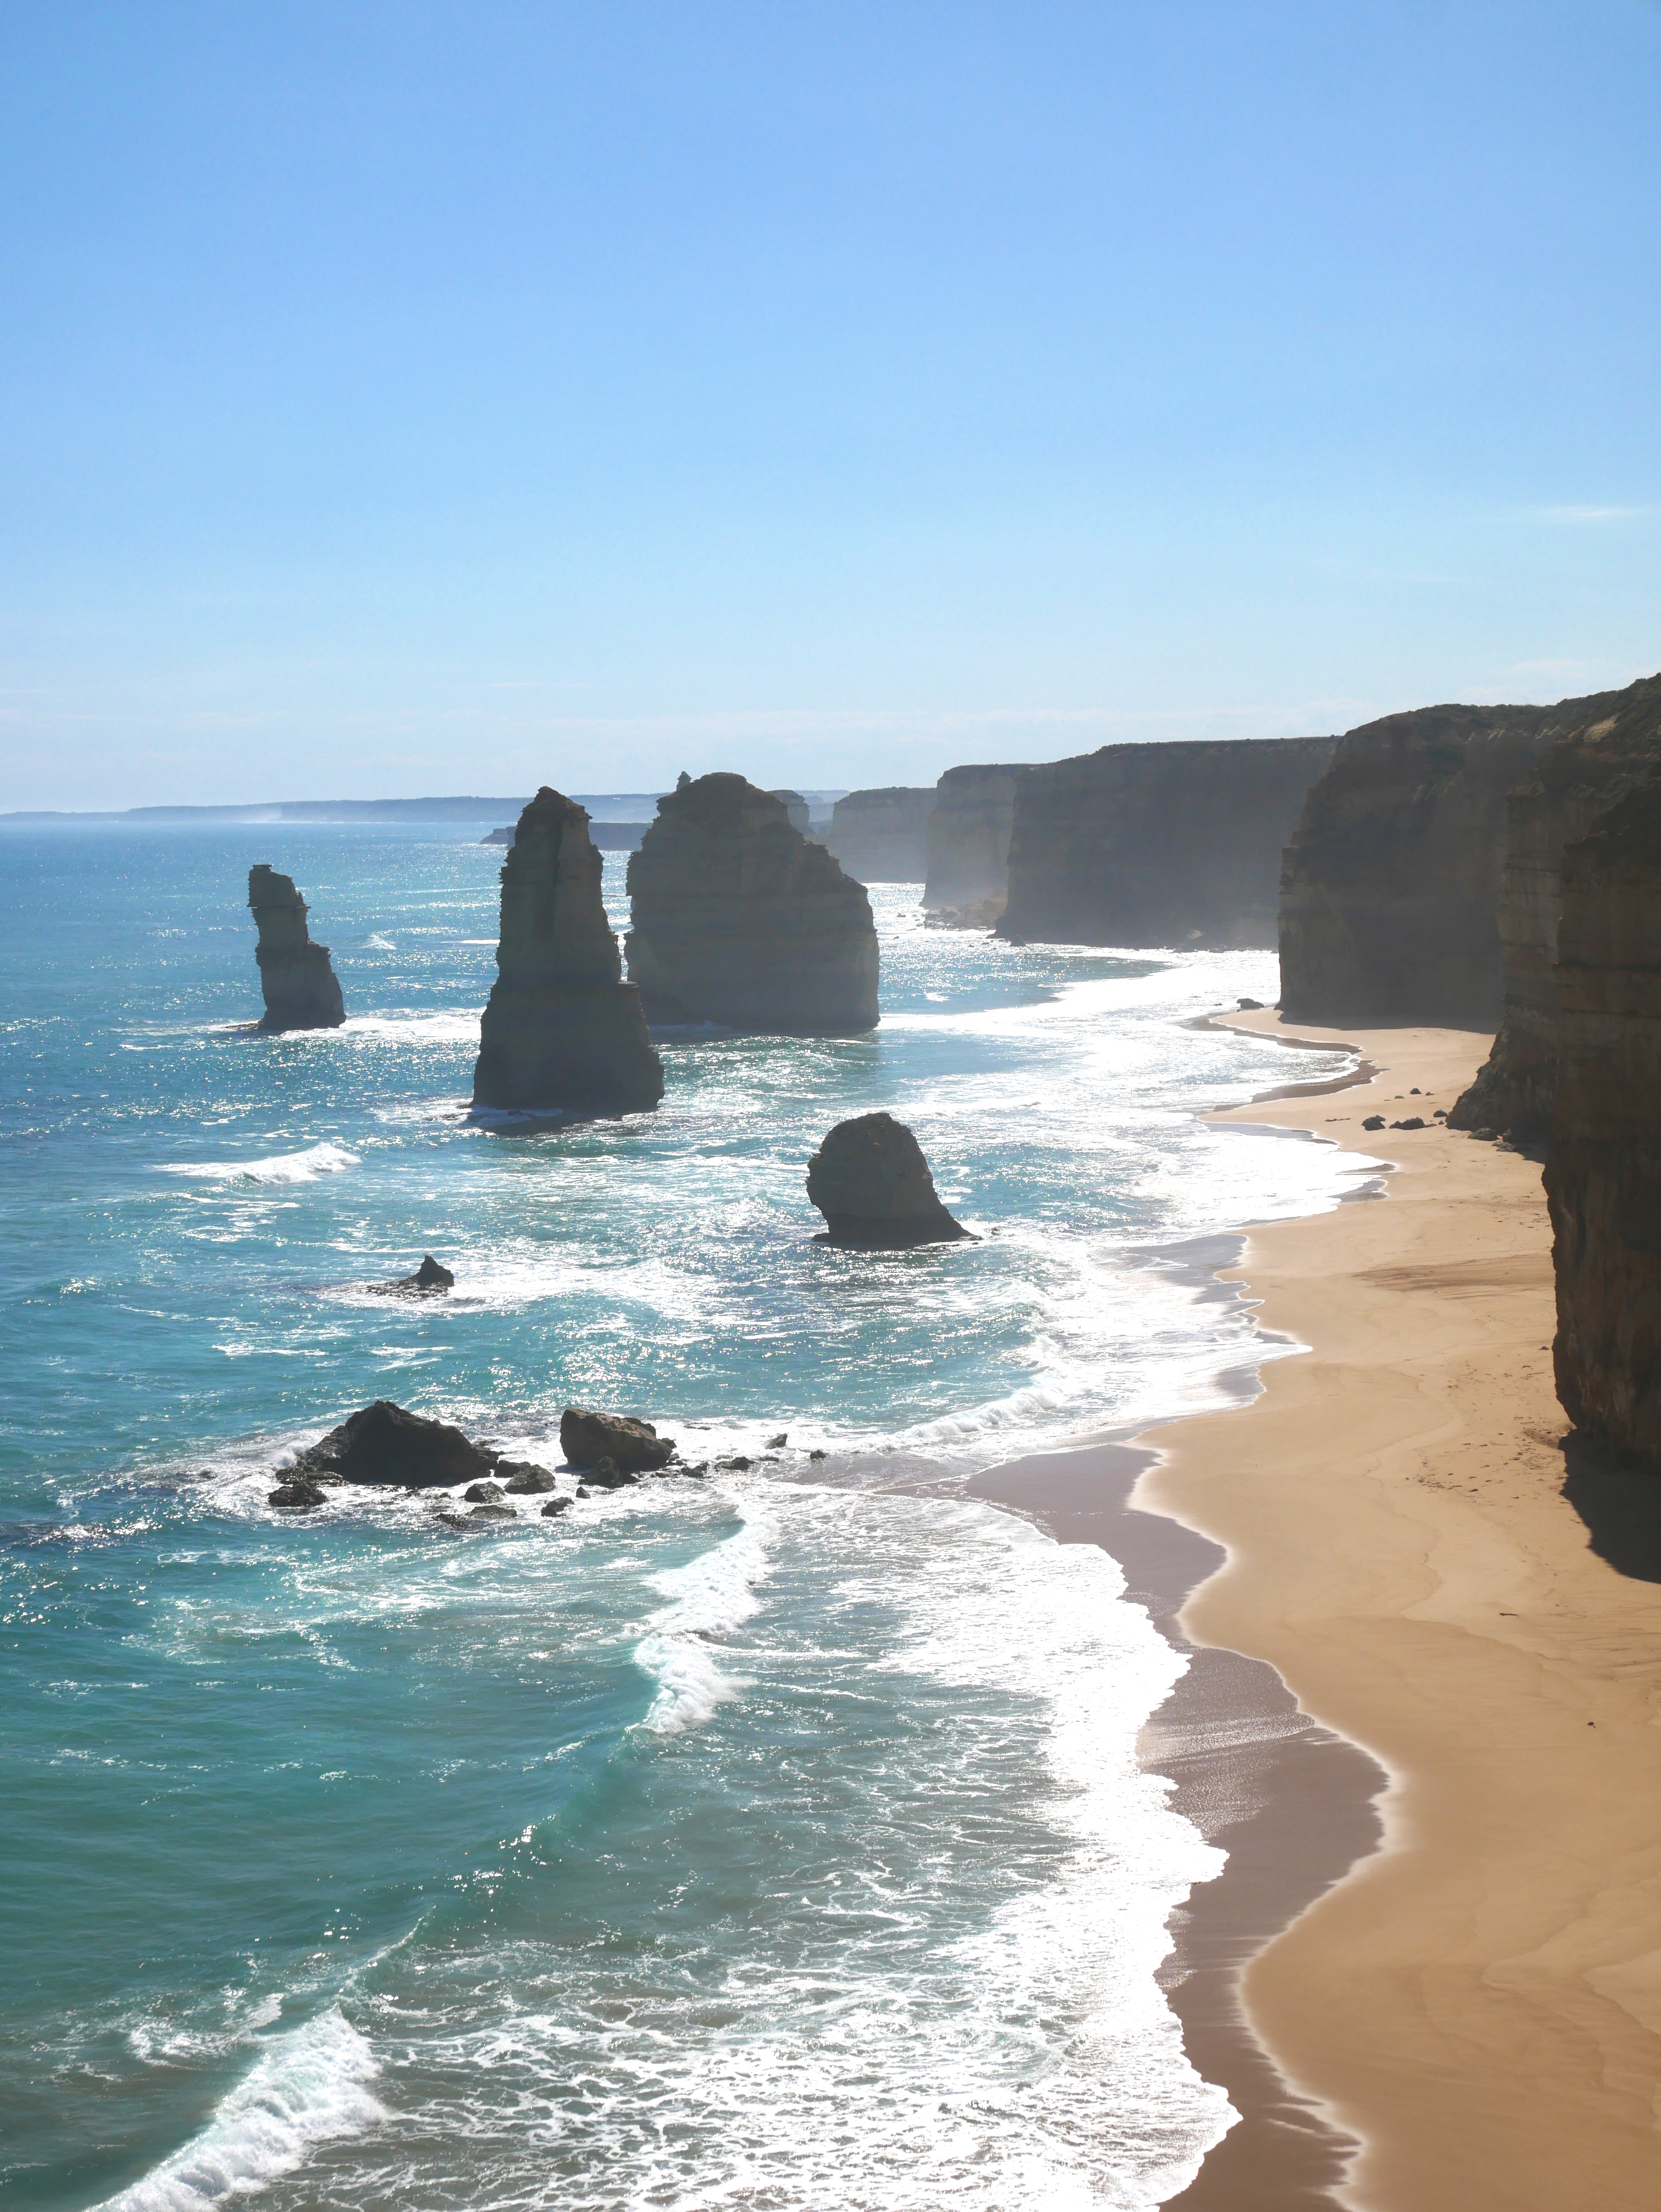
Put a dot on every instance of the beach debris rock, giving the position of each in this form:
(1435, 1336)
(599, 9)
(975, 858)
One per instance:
(1613, 740)
(742, 922)
(1373, 1121)
(1602, 1169)
(301, 989)
(590, 1439)
(298, 1494)
(1413, 1121)
(561, 1029)
(384, 1444)
(872, 1184)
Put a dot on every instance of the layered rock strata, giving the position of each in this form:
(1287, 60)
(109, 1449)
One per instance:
(1615, 739)
(1390, 891)
(1604, 1160)
(738, 920)
(1157, 844)
(966, 849)
(870, 1180)
(299, 984)
(882, 836)
(562, 1029)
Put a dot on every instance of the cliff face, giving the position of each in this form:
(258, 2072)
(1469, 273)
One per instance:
(1389, 897)
(882, 836)
(967, 845)
(1604, 1161)
(299, 986)
(562, 1028)
(1614, 738)
(1156, 844)
(738, 920)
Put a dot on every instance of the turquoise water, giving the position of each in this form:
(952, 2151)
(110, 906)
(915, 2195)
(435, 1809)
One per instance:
(773, 1841)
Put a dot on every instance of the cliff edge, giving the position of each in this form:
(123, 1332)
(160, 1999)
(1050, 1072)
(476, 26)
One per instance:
(966, 848)
(1173, 844)
(882, 836)
(562, 1029)
(739, 920)
(301, 989)
(1604, 1160)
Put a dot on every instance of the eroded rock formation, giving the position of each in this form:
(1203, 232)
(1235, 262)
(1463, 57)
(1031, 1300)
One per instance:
(387, 1444)
(1157, 844)
(870, 1180)
(1604, 1160)
(590, 1441)
(882, 836)
(562, 1028)
(301, 990)
(429, 1281)
(967, 846)
(1389, 895)
(738, 920)
(1615, 739)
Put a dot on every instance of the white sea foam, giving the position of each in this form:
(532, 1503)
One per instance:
(709, 1598)
(305, 2088)
(281, 1167)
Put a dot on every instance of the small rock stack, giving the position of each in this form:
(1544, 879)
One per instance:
(300, 986)
(562, 1029)
(872, 1184)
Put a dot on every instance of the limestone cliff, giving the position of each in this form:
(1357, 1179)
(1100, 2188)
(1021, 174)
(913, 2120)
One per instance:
(1389, 897)
(562, 1028)
(967, 845)
(1604, 1161)
(741, 920)
(795, 806)
(1614, 738)
(882, 836)
(300, 986)
(1156, 844)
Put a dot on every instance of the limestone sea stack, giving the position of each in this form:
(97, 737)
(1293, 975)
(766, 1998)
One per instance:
(1390, 894)
(882, 836)
(299, 986)
(966, 857)
(739, 920)
(1603, 1159)
(1615, 740)
(870, 1180)
(562, 1029)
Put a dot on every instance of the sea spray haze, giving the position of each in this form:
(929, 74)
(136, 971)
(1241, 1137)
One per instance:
(776, 1838)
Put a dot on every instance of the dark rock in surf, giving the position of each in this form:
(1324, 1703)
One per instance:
(562, 1029)
(429, 1281)
(588, 1439)
(298, 1494)
(522, 1478)
(493, 1513)
(555, 1505)
(872, 1184)
(483, 1493)
(385, 1444)
(300, 986)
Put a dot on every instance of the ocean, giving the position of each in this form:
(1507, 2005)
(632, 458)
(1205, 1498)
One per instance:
(776, 1839)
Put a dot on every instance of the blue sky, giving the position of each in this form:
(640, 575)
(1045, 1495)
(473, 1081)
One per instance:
(424, 398)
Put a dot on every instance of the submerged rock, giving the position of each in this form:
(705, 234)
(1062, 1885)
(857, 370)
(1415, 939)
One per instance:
(562, 1029)
(300, 986)
(383, 1444)
(872, 1184)
(739, 920)
(298, 1494)
(429, 1281)
(1604, 1160)
(589, 1439)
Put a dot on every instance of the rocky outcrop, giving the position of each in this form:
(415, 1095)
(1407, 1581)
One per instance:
(384, 1444)
(1614, 738)
(1604, 1160)
(429, 1281)
(300, 1493)
(882, 836)
(1390, 893)
(1173, 844)
(562, 1029)
(299, 986)
(589, 1440)
(967, 846)
(738, 920)
(872, 1184)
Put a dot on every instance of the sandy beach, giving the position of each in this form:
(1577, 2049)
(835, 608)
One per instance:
(1437, 1579)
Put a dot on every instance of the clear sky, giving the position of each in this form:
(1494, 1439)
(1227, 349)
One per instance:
(420, 399)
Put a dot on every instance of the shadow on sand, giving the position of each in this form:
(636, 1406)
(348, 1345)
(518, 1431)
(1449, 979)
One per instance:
(1620, 1501)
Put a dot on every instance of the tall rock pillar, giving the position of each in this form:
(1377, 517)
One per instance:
(300, 988)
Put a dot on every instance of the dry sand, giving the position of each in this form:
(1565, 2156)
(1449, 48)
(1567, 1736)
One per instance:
(1478, 2004)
